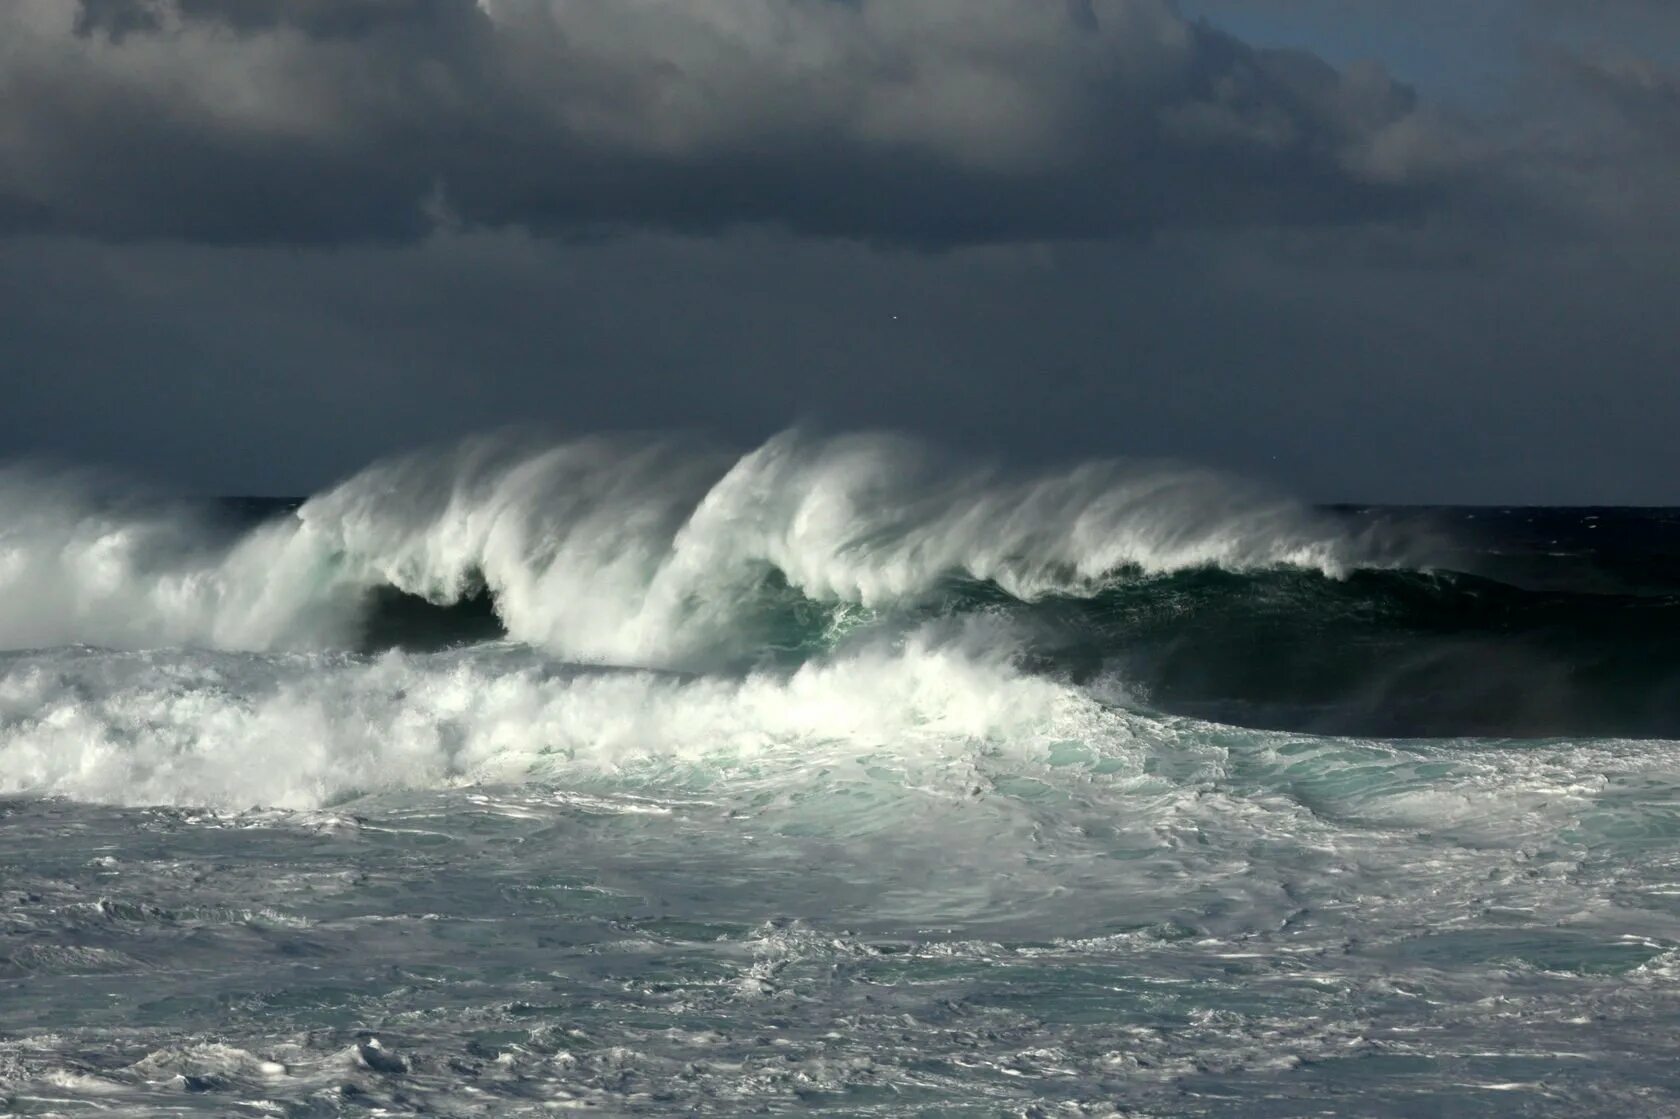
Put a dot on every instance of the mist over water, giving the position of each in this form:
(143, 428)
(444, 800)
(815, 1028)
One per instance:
(840, 775)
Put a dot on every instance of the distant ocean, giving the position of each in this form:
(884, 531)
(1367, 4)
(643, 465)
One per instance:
(841, 777)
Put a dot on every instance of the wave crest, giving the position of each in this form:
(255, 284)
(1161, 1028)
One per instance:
(624, 550)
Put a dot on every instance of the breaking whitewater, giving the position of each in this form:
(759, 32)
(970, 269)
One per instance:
(842, 777)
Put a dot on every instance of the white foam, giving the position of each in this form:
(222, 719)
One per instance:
(619, 550)
(82, 562)
(237, 731)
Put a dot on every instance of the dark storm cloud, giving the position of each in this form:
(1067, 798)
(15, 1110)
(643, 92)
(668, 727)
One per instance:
(1596, 147)
(1545, 377)
(1645, 96)
(316, 18)
(915, 121)
(256, 243)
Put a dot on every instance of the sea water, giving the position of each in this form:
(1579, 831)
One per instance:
(837, 777)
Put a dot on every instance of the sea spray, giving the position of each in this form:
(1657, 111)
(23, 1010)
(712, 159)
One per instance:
(627, 551)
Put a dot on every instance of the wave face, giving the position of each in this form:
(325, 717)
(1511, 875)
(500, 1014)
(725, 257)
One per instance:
(1392, 654)
(841, 776)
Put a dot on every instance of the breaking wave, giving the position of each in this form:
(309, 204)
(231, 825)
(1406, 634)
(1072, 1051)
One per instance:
(624, 551)
(504, 606)
(523, 775)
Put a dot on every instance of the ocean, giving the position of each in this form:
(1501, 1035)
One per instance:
(844, 777)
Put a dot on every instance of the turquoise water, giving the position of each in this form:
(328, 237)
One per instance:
(835, 777)
(983, 893)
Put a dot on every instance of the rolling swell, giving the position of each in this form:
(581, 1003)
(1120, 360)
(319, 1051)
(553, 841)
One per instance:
(1380, 653)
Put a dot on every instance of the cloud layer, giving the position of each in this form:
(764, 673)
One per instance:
(248, 244)
(912, 121)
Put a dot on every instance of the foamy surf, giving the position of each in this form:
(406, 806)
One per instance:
(238, 731)
(837, 777)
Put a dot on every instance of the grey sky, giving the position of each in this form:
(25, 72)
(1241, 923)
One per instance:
(251, 245)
